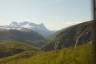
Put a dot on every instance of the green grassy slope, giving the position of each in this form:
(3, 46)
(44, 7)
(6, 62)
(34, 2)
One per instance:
(83, 54)
(11, 48)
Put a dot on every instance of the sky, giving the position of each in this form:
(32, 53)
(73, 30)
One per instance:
(55, 14)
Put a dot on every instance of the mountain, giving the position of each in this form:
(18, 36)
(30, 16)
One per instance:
(72, 36)
(8, 33)
(40, 28)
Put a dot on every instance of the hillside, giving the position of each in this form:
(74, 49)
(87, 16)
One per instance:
(21, 36)
(12, 48)
(63, 56)
(71, 36)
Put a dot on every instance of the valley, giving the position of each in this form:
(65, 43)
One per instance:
(73, 45)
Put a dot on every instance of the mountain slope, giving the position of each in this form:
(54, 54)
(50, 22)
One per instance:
(22, 36)
(72, 36)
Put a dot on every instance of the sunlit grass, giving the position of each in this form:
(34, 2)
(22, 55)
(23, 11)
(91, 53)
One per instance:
(80, 55)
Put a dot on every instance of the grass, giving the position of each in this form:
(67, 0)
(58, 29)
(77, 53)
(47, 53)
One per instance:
(83, 54)
(11, 48)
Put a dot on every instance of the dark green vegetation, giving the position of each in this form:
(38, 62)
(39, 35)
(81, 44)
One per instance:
(72, 45)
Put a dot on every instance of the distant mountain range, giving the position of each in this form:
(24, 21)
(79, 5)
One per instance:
(29, 26)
